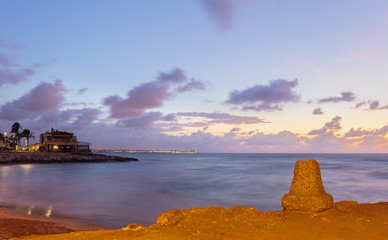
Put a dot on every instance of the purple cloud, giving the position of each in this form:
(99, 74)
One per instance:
(360, 104)
(318, 111)
(265, 97)
(218, 118)
(10, 71)
(44, 97)
(192, 85)
(222, 11)
(361, 133)
(281, 139)
(329, 127)
(373, 105)
(147, 95)
(345, 97)
(106, 135)
(382, 131)
(82, 91)
(357, 133)
(86, 116)
(145, 121)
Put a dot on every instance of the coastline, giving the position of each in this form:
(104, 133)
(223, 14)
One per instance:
(341, 220)
(345, 220)
(57, 157)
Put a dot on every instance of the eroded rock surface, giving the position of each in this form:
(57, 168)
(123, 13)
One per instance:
(307, 192)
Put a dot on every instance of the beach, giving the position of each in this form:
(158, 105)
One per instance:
(16, 224)
(346, 220)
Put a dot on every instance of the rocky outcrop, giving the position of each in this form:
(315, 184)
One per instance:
(46, 157)
(307, 192)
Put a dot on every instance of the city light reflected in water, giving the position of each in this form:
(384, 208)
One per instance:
(4, 171)
(49, 211)
(26, 168)
(29, 212)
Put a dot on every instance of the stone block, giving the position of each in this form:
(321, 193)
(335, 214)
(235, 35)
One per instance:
(307, 193)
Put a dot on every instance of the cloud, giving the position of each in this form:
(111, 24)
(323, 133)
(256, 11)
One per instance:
(10, 70)
(144, 134)
(86, 116)
(221, 11)
(317, 111)
(265, 97)
(373, 105)
(360, 104)
(235, 129)
(361, 133)
(382, 131)
(192, 85)
(148, 95)
(145, 121)
(44, 97)
(225, 118)
(281, 139)
(345, 97)
(82, 91)
(329, 127)
(357, 133)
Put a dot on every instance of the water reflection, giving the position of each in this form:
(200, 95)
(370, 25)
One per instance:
(29, 212)
(4, 171)
(26, 168)
(48, 212)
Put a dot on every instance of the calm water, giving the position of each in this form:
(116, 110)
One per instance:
(116, 194)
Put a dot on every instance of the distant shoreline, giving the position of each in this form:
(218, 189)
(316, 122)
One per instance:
(142, 151)
(57, 157)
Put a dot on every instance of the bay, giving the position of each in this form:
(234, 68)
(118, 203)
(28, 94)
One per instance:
(117, 194)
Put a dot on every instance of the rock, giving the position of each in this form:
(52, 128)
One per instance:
(307, 193)
(170, 217)
(345, 206)
(134, 227)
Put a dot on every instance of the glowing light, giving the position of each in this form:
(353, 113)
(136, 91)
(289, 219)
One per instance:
(55, 147)
(49, 211)
(30, 210)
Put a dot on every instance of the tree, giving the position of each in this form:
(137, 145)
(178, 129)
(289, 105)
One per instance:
(27, 134)
(16, 128)
(2, 139)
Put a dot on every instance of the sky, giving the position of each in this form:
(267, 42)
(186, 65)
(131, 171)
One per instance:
(249, 76)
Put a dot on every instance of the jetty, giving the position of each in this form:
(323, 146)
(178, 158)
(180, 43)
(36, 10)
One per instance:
(13, 157)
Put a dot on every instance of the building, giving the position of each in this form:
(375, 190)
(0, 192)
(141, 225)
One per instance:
(58, 141)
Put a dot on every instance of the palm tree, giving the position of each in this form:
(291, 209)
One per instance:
(2, 138)
(27, 134)
(16, 127)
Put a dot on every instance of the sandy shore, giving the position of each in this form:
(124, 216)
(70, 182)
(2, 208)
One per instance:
(346, 220)
(15, 224)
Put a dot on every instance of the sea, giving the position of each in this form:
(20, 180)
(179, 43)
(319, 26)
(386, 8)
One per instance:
(116, 194)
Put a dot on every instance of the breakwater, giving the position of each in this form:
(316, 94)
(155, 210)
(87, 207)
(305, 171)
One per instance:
(46, 157)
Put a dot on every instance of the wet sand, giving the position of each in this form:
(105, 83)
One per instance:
(15, 224)
(346, 220)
